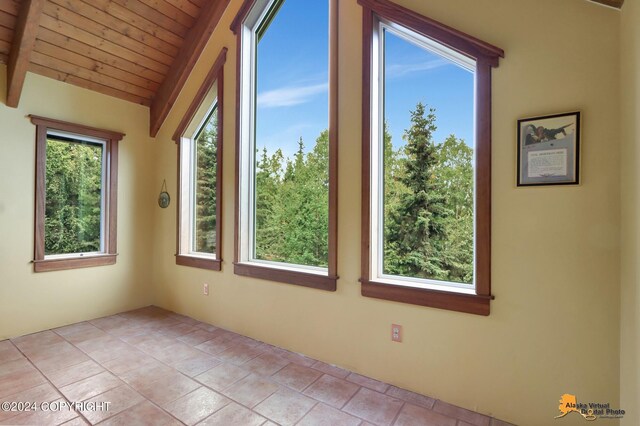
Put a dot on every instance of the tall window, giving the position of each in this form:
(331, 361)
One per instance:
(287, 139)
(76, 195)
(199, 138)
(425, 164)
(74, 187)
(203, 197)
(426, 198)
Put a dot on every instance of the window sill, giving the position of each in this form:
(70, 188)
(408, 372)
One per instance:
(304, 279)
(47, 265)
(452, 301)
(199, 262)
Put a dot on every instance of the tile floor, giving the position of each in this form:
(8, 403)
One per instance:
(156, 367)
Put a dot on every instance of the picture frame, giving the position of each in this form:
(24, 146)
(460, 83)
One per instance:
(549, 150)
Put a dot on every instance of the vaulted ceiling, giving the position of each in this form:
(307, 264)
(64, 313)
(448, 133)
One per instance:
(138, 50)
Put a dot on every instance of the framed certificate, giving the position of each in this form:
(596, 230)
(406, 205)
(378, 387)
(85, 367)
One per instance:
(549, 150)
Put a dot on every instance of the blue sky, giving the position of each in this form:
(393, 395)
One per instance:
(414, 75)
(293, 82)
(293, 77)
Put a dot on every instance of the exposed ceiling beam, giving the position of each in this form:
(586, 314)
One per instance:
(24, 39)
(612, 3)
(194, 44)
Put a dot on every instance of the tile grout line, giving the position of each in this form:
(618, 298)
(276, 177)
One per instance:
(115, 375)
(269, 378)
(237, 337)
(193, 378)
(311, 384)
(395, 418)
(105, 370)
(131, 387)
(49, 381)
(169, 325)
(305, 414)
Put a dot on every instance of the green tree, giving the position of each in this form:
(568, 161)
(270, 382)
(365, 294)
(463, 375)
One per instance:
(206, 145)
(269, 175)
(292, 205)
(73, 185)
(415, 231)
(455, 175)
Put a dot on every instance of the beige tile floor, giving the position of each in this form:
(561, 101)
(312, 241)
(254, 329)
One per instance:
(155, 367)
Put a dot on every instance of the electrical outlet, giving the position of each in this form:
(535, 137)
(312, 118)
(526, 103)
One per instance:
(396, 333)
(205, 289)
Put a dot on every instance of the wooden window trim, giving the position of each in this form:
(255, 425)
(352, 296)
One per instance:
(199, 262)
(48, 265)
(43, 125)
(304, 279)
(214, 76)
(326, 282)
(486, 57)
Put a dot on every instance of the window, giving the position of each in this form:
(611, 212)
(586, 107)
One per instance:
(199, 139)
(426, 181)
(76, 195)
(287, 142)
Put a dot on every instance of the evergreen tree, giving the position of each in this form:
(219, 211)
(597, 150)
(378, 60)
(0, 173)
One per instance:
(416, 229)
(269, 175)
(455, 174)
(292, 205)
(428, 204)
(205, 191)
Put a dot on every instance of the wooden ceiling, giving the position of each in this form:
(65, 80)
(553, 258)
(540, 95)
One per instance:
(138, 50)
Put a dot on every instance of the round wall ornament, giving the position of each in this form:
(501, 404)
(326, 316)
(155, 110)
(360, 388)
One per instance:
(164, 199)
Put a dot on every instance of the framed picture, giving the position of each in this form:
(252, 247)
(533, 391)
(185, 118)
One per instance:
(549, 150)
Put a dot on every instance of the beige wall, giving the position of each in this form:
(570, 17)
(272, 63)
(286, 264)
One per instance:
(31, 302)
(554, 324)
(630, 278)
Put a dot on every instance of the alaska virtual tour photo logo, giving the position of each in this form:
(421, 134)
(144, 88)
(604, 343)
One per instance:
(590, 410)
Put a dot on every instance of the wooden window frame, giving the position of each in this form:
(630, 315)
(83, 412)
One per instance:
(215, 76)
(486, 57)
(110, 250)
(272, 272)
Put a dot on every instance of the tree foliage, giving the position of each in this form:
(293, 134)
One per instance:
(428, 204)
(73, 183)
(414, 229)
(206, 146)
(428, 223)
(292, 205)
(428, 201)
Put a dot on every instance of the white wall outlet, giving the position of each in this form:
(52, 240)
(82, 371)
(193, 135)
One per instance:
(205, 289)
(396, 333)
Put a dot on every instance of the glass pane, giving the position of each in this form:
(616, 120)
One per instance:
(428, 164)
(206, 172)
(291, 137)
(73, 197)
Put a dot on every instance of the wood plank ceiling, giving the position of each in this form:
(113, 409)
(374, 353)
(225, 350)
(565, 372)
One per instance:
(138, 50)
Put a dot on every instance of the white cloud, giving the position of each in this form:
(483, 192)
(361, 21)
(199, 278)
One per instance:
(289, 96)
(400, 70)
(286, 139)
